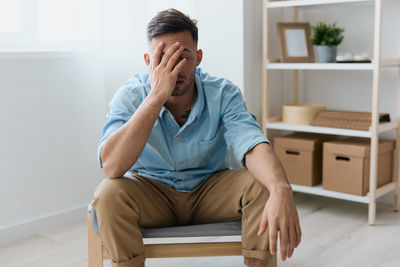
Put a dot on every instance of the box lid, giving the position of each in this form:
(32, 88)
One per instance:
(301, 141)
(357, 147)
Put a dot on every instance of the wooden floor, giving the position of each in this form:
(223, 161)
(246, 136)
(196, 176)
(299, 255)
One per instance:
(335, 233)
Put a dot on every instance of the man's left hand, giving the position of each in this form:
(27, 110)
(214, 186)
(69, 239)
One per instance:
(281, 216)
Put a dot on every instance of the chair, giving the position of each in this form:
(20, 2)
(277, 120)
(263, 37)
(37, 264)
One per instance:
(203, 240)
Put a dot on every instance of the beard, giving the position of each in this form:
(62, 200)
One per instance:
(179, 92)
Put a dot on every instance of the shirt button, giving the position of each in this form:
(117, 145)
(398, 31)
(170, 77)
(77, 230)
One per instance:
(181, 163)
(177, 138)
(178, 174)
(167, 114)
(179, 182)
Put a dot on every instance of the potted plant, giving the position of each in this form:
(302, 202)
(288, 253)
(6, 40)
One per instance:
(326, 38)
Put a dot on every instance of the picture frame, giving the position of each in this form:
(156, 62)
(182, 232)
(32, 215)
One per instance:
(295, 44)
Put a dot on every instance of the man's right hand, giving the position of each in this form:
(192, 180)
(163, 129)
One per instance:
(124, 146)
(164, 70)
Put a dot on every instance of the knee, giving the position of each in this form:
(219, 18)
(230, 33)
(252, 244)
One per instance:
(110, 194)
(254, 188)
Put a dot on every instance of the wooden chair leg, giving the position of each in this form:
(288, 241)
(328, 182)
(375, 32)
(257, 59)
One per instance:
(95, 248)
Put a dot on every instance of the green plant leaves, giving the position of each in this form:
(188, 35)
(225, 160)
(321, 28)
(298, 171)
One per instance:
(325, 34)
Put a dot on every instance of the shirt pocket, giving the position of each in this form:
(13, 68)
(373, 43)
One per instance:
(200, 153)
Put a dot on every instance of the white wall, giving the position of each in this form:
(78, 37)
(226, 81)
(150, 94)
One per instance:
(52, 108)
(221, 38)
(253, 53)
(124, 42)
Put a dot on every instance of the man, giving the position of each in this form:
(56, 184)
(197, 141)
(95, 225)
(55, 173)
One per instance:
(168, 133)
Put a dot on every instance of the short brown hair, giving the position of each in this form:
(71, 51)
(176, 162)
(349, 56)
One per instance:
(171, 21)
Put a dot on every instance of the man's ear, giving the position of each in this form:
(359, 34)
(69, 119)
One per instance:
(147, 59)
(199, 56)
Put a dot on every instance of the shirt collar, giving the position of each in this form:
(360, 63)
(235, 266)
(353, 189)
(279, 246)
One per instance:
(163, 109)
(199, 103)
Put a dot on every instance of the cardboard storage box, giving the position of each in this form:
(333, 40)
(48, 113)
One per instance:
(346, 165)
(301, 157)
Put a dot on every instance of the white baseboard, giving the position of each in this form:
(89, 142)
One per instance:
(42, 224)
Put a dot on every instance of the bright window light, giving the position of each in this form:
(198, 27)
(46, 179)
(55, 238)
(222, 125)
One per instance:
(64, 20)
(10, 16)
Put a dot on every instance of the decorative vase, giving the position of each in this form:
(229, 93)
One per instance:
(326, 54)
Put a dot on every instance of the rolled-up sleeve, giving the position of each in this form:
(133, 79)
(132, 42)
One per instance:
(122, 106)
(242, 131)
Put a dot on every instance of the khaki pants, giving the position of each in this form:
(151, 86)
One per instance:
(124, 205)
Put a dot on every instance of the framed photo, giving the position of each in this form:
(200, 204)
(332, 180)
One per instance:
(295, 44)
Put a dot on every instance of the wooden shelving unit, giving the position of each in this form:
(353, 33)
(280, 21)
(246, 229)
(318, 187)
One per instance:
(375, 130)
(298, 3)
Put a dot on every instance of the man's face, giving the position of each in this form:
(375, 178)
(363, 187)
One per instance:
(193, 57)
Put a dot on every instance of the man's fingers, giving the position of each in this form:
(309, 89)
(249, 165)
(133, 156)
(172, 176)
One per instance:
(179, 67)
(298, 234)
(263, 225)
(157, 54)
(174, 59)
(170, 51)
(284, 241)
(273, 237)
(292, 240)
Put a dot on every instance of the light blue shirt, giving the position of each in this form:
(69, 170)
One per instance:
(184, 157)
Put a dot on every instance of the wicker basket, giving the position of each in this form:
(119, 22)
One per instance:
(347, 119)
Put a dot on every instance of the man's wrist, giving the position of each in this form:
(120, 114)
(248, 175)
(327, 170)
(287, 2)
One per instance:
(154, 101)
(280, 187)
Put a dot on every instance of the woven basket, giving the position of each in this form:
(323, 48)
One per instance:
(347, 119)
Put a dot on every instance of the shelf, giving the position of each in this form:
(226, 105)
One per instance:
(297, 3)
(320, 66)
(388, 62)
(383, 127)
(318, 190)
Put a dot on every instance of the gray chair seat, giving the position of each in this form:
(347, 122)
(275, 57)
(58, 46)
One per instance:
(232, 228)
(209, 229)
